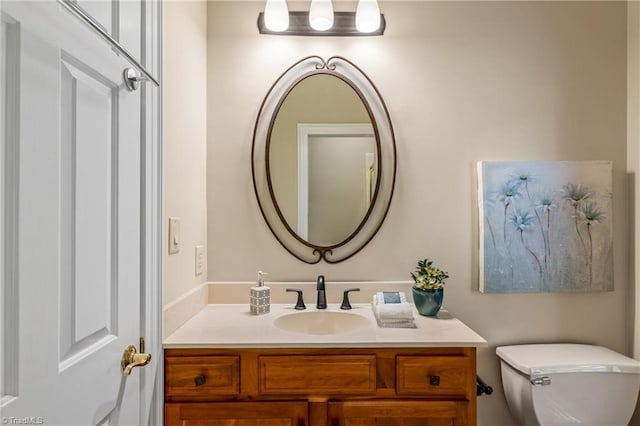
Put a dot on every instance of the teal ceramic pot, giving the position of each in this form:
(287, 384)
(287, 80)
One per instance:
(428, 302)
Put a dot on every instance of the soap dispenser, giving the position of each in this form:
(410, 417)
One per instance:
(260, 296)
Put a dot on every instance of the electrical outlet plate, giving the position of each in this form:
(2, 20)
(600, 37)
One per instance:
(200, 259)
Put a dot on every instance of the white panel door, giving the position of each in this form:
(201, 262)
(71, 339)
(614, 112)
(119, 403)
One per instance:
(71, 259)
(121, 19)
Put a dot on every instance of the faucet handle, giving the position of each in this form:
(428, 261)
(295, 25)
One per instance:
(299, 303)
(345, 298)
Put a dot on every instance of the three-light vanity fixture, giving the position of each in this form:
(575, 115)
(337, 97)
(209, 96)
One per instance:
(321, 19)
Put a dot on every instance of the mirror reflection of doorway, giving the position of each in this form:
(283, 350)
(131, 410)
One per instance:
(337, 169)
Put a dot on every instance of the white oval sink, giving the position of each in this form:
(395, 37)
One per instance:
(321, 322)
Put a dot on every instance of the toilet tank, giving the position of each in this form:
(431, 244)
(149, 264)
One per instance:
(569, 384)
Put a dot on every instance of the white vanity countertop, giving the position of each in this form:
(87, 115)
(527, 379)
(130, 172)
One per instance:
(233, 326)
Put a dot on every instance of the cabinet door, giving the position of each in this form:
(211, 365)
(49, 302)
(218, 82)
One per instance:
(236, 414)
(398, 413)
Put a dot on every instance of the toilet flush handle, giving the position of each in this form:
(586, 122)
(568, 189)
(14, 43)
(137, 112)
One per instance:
(541, 381)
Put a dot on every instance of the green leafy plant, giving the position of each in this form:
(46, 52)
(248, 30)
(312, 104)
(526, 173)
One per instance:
(427, 276)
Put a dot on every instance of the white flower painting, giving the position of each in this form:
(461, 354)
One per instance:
(545, 226)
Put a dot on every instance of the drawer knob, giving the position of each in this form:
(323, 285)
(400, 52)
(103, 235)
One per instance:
(200, 380)
(434, 380)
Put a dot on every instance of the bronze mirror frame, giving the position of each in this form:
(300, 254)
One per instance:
(385, 150)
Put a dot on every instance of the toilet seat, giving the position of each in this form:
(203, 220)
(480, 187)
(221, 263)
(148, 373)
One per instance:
(541, 359)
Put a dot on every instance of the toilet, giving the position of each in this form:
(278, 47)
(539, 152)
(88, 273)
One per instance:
(569, 384)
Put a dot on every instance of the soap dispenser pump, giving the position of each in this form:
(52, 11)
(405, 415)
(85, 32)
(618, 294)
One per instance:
(260, 296)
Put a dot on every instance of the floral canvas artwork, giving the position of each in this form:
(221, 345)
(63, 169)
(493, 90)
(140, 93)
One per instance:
(545, 226)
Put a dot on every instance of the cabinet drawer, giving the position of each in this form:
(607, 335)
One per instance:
(287, 413)
(433, 375)
(317, 374)
(398, 413)
(202, 375)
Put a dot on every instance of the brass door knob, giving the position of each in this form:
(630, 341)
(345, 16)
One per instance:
(131, 359)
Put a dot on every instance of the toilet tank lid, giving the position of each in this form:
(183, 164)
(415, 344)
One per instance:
(541, 359)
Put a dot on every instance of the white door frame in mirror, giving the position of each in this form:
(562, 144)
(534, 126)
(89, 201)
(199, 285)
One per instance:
(307, 131)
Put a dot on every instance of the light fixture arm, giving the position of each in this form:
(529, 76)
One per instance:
(344, 25)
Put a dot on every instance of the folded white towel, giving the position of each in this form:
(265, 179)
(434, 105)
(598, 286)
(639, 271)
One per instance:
(391, 311)
(385, 297)
(400, 311)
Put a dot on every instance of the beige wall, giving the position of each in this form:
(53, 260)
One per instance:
(463, 81)
(185, 109)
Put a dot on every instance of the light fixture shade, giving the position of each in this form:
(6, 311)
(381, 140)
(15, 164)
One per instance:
(367, 16)
(276, 15)
(321, 15)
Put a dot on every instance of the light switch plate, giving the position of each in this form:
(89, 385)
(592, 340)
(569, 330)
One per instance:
(200, 259)
(174, 235)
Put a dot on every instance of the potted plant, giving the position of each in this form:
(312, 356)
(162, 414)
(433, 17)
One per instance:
(428, 290)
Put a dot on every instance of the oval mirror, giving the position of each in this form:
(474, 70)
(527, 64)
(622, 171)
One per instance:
(323, 159)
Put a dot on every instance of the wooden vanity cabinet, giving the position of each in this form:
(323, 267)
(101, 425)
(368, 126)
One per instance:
(320, 387)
